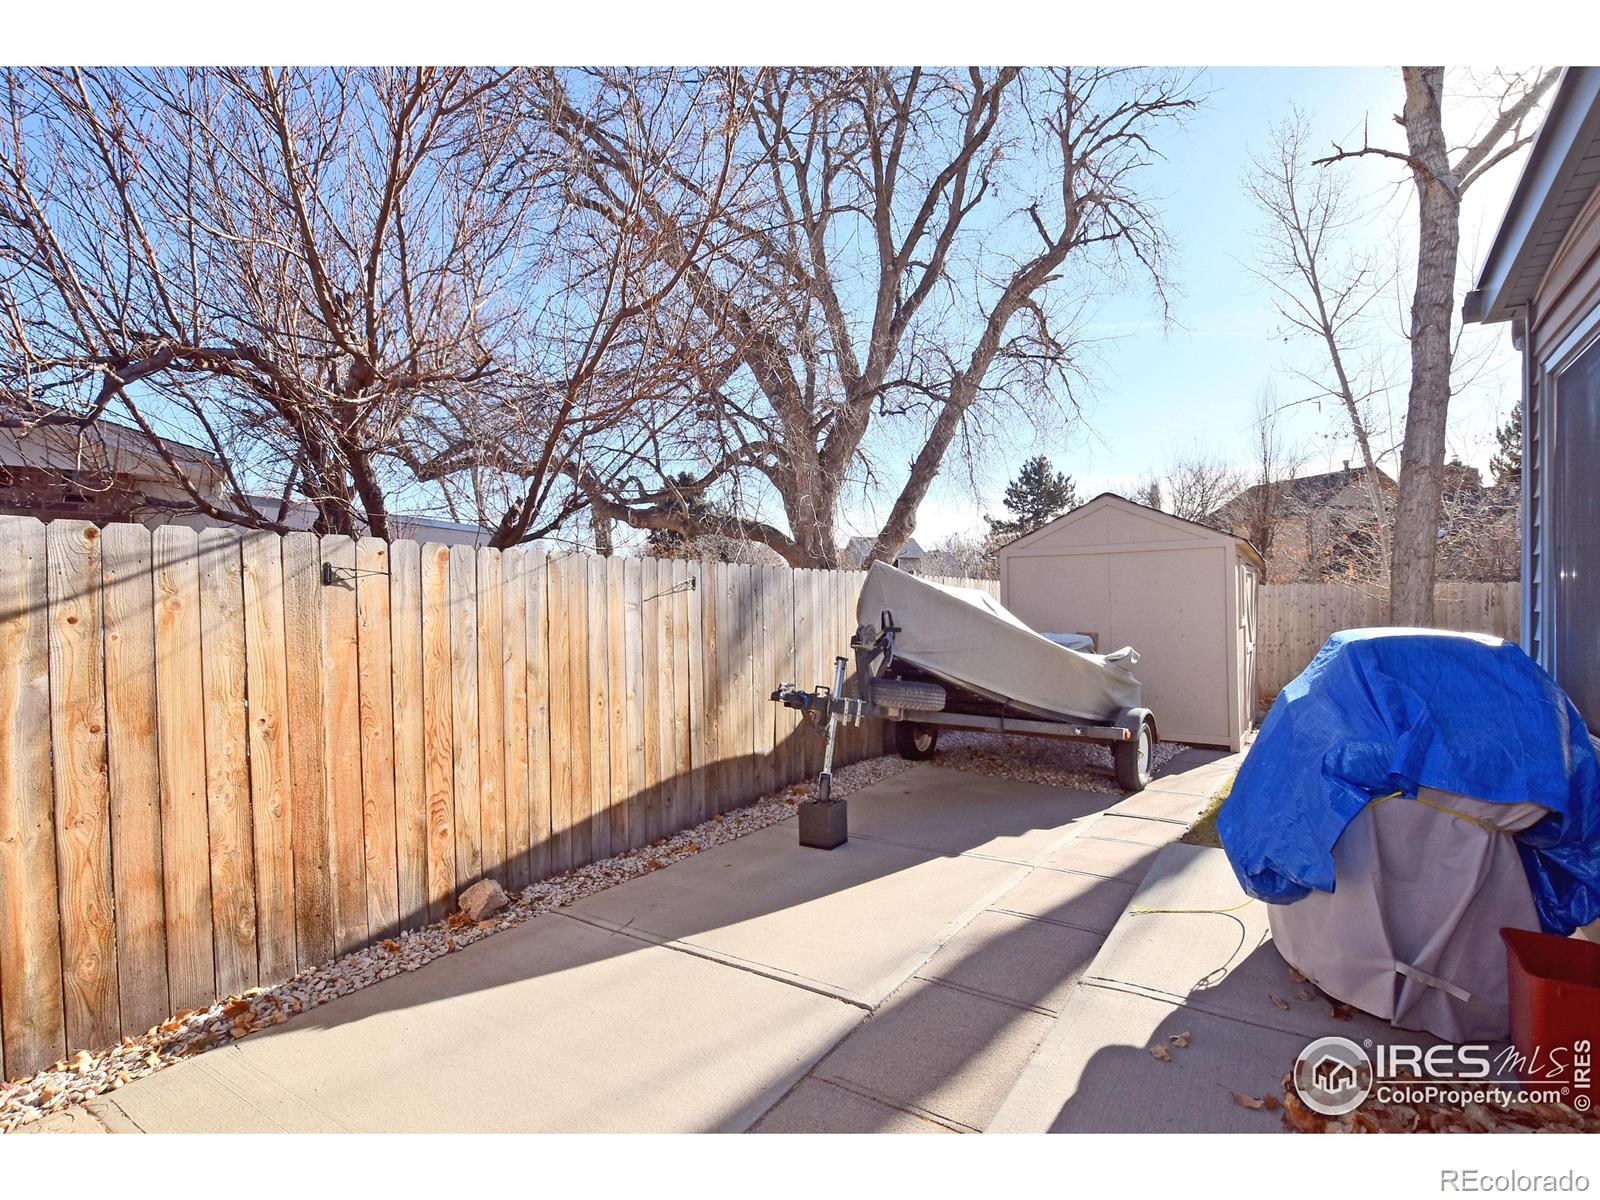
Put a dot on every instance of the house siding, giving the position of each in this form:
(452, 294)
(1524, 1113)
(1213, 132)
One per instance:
(1564, 321)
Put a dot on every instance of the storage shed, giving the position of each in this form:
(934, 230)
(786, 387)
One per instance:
(1182, 594)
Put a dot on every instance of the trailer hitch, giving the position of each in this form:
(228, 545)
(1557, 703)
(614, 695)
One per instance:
(823, 821)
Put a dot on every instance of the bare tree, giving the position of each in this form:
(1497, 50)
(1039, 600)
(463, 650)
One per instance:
(1323, 289)
(914, 255)
(1197, 483)
(1441, 173)
(1148, 492)
(1267, 501)
(288, 268)
(620, 344)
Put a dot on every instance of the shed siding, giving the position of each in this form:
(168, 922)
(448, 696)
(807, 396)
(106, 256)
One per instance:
(1168, 588)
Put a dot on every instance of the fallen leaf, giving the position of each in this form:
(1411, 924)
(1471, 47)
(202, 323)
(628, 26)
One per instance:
(82, 1060)
(1250, 1102)
(1279, 1001)
(235, 1008)
(1270, 1102)
(389, 944)
(1342, 1012)
(1180, 1040)
(1296, 977)
(1161, 1053)
(1303, 994)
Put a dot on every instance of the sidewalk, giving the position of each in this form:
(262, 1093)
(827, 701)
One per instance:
(902, 981)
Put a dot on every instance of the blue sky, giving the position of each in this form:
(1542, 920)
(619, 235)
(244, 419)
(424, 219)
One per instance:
(1159, 391)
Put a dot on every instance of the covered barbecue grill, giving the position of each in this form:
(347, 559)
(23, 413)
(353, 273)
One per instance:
(931, 657)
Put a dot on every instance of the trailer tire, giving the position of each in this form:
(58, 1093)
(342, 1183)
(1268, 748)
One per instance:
(908, 695)
(915, 742)
(1131, 759)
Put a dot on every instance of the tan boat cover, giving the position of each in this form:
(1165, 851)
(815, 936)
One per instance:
(964, 636)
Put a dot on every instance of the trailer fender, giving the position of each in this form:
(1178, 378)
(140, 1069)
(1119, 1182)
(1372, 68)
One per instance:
(1130, 719)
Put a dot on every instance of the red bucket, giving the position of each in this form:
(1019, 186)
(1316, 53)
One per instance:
(1555, 1010)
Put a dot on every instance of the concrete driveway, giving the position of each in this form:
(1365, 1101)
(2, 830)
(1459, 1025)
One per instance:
(900, 982)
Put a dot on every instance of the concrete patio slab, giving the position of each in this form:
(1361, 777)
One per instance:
(938, 1050)
(1216, 956)
(1095, 1072)
(819, 1107)
(1089, 855)
(956, 812)
(853, 922)
(1205, 966)
(1032, 964)
(552, 1026)
(1083, 901)
(1154, 804)
(1134, 829)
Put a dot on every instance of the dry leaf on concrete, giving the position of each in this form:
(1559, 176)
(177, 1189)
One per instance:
(1161, 1053)
(1250, 1102)
(1180, 1040)
(1279, 1001)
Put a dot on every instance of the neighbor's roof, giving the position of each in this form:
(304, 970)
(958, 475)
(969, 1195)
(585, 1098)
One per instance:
(130, 451)
(1311, 491)
(857, 549)
(1562, 171)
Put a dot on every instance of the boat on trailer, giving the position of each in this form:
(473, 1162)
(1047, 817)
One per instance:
(931, 656)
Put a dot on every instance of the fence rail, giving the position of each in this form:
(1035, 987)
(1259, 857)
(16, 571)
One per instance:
(1297, 618)
(216, 769)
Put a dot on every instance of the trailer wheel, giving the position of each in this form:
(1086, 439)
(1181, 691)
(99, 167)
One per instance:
(915, 741)
(1131, 759)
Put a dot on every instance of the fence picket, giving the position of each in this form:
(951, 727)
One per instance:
(410, 752)
(129, 614)
(310, 822)
(438, 733)
(375, 665)
(32, 1024)
(270, 776)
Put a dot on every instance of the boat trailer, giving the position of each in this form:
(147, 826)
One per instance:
(919, 705)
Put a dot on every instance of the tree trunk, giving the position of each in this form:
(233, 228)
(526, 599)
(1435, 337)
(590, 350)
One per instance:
(1416, 524)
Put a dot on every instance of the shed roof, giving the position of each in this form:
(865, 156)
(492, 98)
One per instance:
(1188, 528)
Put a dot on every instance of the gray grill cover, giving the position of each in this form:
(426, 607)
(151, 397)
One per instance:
(965, 637)
(1412, 932)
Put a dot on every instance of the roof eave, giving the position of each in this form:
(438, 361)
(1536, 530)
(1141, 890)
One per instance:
(1572, 124)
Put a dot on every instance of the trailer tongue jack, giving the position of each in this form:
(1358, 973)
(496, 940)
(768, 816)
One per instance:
(824, 822)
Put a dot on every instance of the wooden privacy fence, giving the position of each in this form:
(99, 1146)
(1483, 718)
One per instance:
(217, 769)
(1297, 618)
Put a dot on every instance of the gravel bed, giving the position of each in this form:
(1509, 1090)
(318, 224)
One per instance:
(1084, 766)
(193, 1031)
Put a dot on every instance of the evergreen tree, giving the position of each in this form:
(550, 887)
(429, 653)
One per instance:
(1507, 461)
(1038, 495)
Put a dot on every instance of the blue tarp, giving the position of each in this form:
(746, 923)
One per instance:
(1381, 711)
